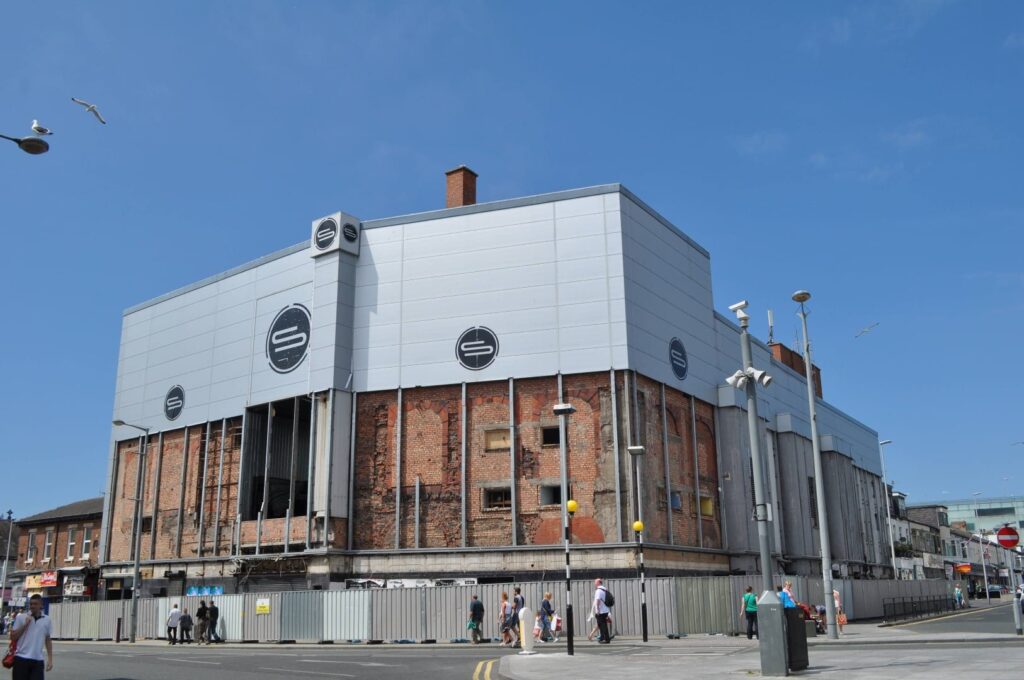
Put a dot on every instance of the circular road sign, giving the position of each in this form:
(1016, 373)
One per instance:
(477, 348)
(1008, 537)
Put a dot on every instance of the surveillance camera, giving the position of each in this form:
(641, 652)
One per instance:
(742, 304)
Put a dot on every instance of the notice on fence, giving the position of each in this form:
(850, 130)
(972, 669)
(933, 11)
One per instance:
(263, 606)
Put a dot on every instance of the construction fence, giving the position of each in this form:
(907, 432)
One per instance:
(676, 606)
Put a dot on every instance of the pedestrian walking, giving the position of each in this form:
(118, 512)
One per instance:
(30, 633)
(505, 619)
(185, 625)
(748, 610)
(173, 619)
(958, 597)
(212, 634)
(518, 602)
(476, 620)
(547, 614)
(601, 611)
(202, 623)
(840, 614)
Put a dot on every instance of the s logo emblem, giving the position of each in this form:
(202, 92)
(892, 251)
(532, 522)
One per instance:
(477, 348)
(174, 402)
(288, 338)
(325, 233)
(677, 358)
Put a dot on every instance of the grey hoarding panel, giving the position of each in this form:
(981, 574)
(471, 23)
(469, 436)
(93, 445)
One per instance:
(302, 615)
(110, 612)
(231, 609)
(346, 615)
(89, 624)
(261, 627)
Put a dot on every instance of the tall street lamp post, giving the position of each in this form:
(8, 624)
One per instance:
(137, 537)
(636, 455)
(771, 621)
(982, 541)
(803, 296)
(7, 556)
(888, 501)
(563, 411)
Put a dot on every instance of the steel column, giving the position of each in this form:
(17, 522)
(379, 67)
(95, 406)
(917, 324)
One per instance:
(615, 448)
(202, 493)
(240, 486)
(266, 477)
(311, 482)
(181, 491)
(156, 493)
(462, 444)
(416, 516)
(696, 471)
(512, 458)
(668, 476)
(398, 475)
(291, 476)
(220, 482)
(352, 471)
(330, 469)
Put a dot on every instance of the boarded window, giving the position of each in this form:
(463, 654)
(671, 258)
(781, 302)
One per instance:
(497, 440)
(707, 507)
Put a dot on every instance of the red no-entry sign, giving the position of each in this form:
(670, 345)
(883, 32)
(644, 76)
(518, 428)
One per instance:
(1008, 537)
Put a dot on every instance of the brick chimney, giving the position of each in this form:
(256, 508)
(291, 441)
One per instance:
(785, 355)
(461, 187)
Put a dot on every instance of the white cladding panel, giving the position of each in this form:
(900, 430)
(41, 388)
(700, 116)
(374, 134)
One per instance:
(545, 278)
(212, 341)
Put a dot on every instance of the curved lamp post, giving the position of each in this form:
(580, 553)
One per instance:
(137, 538)
(30, 145)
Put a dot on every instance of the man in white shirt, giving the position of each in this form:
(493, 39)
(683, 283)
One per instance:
(173, 618)
(601, 611)
(30, 633)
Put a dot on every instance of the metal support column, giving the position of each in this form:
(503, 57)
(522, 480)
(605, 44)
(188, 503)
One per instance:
(181, 492)
(512, 458)
(202, 493)
(398, 474)
(668, 476)
(464, 448)
(156, 493)
(220, 483)
(352, 471)
(416, 515)
(310, 481)
(696, 471)
(241, 485)
(615, 449)
(266, 478)
(329, 453)
(293, 452)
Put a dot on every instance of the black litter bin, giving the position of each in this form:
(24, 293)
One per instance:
(796, 639)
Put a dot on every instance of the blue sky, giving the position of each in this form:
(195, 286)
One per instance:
(870, 152)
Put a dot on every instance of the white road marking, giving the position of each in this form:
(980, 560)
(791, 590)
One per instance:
(208, 663)
(373, 664)
(292, 670)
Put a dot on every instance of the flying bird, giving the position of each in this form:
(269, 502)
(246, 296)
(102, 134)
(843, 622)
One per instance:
(866, 330)
(39, 129)
(91, 108)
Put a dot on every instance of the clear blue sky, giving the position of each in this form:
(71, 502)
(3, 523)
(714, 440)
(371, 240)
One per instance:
(870, 152)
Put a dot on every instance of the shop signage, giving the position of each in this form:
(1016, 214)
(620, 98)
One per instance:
(200, 591)
(74, 586)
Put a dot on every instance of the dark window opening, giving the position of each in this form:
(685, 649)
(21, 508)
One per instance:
(289, 433)
(497, 499)
(147, 525)
(993, 512)
(677, 501)
(550, 436)
(551, 494)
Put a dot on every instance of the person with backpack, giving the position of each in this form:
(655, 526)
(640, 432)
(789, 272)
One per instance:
(518, 602)
(603, 602)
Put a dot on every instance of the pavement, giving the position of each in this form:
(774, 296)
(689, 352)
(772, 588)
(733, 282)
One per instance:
(975, 643)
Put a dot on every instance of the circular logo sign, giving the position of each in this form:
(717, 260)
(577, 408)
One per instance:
(677, 357)
(288, 338)
(174, 402)
(477, 348)
(350, 232)
(325, 233)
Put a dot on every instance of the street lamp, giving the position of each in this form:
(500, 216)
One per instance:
(569, 507)
(7, 556)
(137, 537)
(888, 501)
(30, 145)
(803, 296)
(981, 542)
(638, 528)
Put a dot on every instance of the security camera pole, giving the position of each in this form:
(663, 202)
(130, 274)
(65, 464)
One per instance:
(803, 296)
(563, 411)
(770, 620)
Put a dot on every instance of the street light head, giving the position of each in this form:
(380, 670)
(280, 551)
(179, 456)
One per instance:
(638, 526)
(884, 442)
(636, 450)
(801, 296)
(33, 145)
(564, 409)
(119, 423)
(572, 506)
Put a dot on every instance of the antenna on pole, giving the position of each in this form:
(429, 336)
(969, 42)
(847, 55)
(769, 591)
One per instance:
(771, 327)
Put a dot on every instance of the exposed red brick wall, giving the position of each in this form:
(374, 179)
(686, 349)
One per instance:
(795, 360)
(59, 551)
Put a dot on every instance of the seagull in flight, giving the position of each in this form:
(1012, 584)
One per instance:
(867, 329)
(91, 108)
(39, 129)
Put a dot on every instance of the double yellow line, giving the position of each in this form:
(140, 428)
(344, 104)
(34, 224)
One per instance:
(483, 670)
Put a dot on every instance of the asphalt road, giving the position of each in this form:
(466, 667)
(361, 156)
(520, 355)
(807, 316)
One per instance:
(98, 661)
(994, 620)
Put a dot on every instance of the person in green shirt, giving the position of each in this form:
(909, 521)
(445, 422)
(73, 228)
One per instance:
(748, 608)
